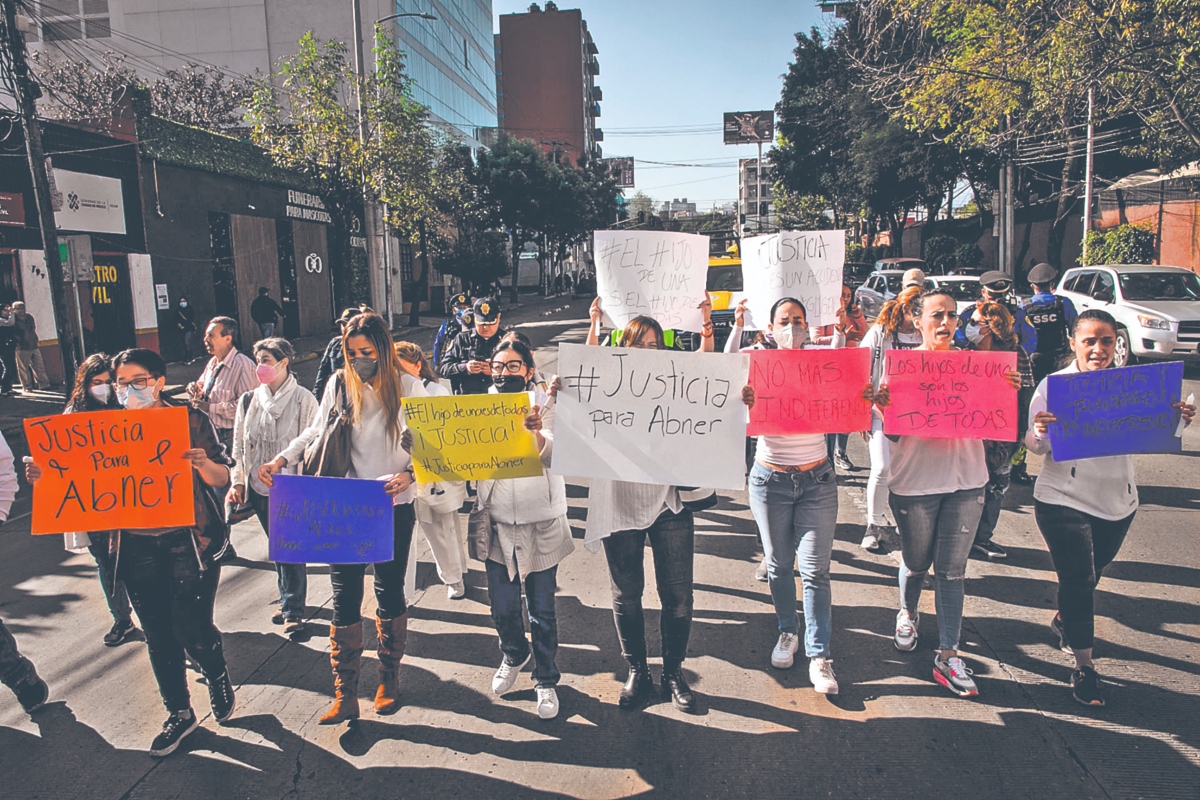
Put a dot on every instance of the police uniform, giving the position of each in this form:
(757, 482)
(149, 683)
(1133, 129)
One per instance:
(470, 346)
(998, 283)
(461, 319)
(1050, 317)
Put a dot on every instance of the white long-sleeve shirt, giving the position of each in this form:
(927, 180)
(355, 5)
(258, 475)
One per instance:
(8, 479)
(373, 453)
(1104, 487)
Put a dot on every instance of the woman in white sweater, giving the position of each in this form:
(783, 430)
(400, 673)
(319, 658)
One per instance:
(530, 537)
(268, 419)
(371, 386)
(1083, 507)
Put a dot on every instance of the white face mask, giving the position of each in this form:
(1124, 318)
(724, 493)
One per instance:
(791, 337)
(974, 333)
(134, 399)
(101, 393)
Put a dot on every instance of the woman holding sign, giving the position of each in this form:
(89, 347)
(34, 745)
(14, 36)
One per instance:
(530, 536)
(267, 420)
(371, 385)
(172, 573)
(937, 494)
(1084, 507)
(794, 498)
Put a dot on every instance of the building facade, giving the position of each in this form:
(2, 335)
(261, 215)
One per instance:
(546, 70)
(754, 212)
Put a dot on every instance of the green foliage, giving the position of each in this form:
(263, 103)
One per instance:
(865, 255)
(1123, 244)
(946, 255)
(82, 89)
(800, 212)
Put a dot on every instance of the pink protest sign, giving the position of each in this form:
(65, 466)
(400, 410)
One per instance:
(951, 394)
(809, 391)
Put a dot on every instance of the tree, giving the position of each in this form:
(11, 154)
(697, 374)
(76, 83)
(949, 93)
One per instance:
(306, 117)
(641, 202)
(203, 97)
(800, 212)
(462, 238)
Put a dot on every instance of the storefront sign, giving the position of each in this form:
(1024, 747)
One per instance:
(308, 207)
(160, 297)
(91, 203)
(12, 209)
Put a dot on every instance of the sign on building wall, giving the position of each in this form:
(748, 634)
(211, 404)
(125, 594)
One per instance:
(749, 127)
(12, 209)
(307, 207)
(90, 203)
(622, 170)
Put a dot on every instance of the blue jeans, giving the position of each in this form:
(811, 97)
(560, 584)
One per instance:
(267, 329)
(999, 464)
(505, 596)
(291, 578)
(114, 590)
(937, 530)
(796, 514)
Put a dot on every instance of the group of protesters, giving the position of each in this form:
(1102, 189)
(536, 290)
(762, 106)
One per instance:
(250, 421)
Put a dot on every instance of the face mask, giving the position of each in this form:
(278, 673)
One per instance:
(134, 399)
(101, 393)
(267, 372)
(509, 384)
(365, 367)
(974, 333)
(183, 304)
(791, 337)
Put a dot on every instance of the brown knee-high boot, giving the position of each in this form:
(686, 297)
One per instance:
(393, 634)
(346, 644)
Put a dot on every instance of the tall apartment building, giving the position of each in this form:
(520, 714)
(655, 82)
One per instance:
(757, 213)
(450, 58)
(546, 68)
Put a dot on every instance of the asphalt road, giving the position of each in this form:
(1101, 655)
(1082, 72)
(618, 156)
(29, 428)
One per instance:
(760, 732)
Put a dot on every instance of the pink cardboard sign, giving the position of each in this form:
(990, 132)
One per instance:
(950, 394)
(809, 391)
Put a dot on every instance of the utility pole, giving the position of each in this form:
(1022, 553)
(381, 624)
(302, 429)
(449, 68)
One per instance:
(1087, 185)
(26, 93)
(758, 175)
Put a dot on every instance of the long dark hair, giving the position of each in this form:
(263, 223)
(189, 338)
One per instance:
(636, 328)
(761, 338)
(81, 399)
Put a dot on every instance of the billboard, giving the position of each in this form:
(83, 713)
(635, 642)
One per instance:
(92, 203)
(749, 127)
(622, 170)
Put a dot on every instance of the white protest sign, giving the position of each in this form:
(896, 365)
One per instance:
(658, 274)
(806, 266)
(651, 416)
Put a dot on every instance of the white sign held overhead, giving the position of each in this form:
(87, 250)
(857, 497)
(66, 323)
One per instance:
(657, 274)
(651, 416)
(803, 265)
(91, 203)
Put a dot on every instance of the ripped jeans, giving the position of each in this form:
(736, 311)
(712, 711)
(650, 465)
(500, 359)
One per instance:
(937, 530)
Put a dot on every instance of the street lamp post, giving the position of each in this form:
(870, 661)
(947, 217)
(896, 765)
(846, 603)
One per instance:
(362, 133)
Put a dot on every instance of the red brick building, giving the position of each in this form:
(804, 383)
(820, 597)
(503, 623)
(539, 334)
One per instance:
(546, 90)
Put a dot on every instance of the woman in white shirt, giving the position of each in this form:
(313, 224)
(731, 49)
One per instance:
(268, 419)
(437, 504)
(893, 330)
(794, 499)
(1083, 507)
(530, 537)
(372, 385)
(937, 493)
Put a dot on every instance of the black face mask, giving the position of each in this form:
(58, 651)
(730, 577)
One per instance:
(509, 384)
(365, 367)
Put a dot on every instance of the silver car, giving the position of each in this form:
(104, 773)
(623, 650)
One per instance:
(877, 290)
(1157, 308)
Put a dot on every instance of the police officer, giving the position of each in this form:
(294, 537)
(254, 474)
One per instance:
(461, 319)
(995, 287)
(1050, 318)
(467, 363)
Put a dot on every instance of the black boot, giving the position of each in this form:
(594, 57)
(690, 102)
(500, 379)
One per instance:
(675, 685)
(638, 685)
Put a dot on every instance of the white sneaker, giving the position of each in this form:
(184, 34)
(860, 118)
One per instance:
(760, 572)
(506, 676)
(783, 656)
(906, 631)
(820, 672)
(456, 590)
(547, 702)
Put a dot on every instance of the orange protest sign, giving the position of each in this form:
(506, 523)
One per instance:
(111, 470)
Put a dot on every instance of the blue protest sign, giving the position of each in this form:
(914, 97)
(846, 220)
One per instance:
(330, 521)
(1113, 412)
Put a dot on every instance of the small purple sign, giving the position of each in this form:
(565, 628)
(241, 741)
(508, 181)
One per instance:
(330, 521)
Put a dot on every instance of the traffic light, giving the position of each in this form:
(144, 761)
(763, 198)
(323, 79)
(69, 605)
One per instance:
(764, 209)
(641, 217)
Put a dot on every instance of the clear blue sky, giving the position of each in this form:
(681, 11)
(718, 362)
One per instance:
(675, 63)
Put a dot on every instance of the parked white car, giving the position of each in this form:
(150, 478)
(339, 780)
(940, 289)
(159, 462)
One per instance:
(965, 289)
(1157, 308)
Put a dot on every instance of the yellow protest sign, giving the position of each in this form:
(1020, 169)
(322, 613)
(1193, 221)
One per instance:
(471, 437)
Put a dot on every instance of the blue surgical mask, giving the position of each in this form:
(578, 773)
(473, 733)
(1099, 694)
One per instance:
(183, 304)
(133, 398)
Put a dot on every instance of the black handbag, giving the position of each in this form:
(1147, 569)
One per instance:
(694, 499)
(328, 455)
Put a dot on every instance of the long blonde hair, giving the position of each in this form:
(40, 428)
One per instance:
(387, 377)
(891, 316)
(413, 354)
